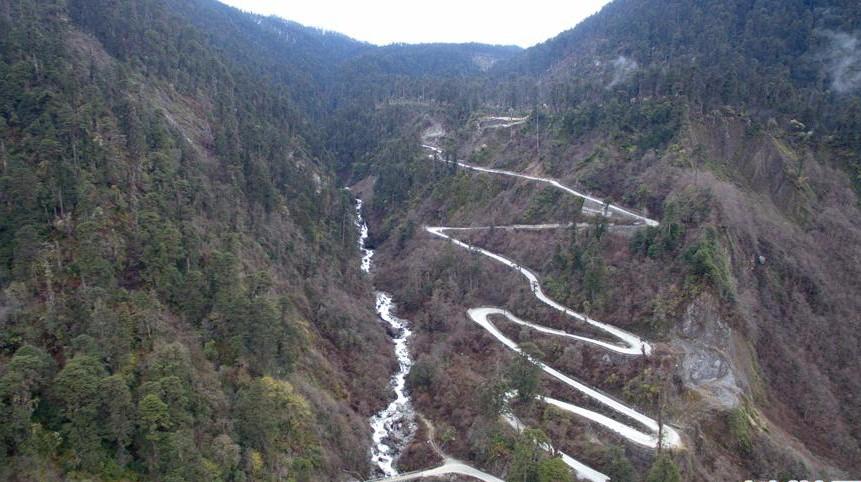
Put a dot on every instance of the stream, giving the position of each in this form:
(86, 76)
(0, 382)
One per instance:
(394, 426)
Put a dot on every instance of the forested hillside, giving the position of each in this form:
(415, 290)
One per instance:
(180, 294)
(795, 60)
(177, 263)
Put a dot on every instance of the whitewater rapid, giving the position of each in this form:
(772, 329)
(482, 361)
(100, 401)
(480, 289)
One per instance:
(394, 426)
(367, 254)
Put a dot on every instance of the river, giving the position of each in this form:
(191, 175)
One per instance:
(394, 426)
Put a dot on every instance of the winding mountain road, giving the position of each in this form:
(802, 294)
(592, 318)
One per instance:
(497, 122)
(642, 429)
(622, 342)
(592, 204)
(449, 465)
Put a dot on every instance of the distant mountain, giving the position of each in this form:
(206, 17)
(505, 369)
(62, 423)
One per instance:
(796, 60)
(777, 55)
(444, 60)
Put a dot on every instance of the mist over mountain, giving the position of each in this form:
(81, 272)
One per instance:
(180, 287)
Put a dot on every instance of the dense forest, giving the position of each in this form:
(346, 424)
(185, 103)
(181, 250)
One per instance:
(180, 295)
(176, 261)
(795, 60)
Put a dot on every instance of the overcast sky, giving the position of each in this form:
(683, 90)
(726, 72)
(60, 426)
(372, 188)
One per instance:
(381, 22)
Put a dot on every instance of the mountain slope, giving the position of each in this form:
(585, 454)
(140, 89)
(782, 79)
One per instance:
(735, 125)
(763, 98)
(178, 267)
(178, 264)
(797, 60)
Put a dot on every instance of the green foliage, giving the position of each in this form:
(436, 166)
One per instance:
(247, 322)
(582, 270)
(491, 399)
(77, 389)
(273, 418)
(524, 376)
(690, 206)
(527, 454)
(645, 388)
(24, 380)
(41, 442)
(135, 220)
(682, 211)
(111, 334)
(665, 307)
(594, 274)
(116, 409)
(649, 124)
(619, 468)
(398, 176)
(226, 454)
(655, 242)
(664, 469)
(153, 415)
(709, 263)
(542, 203)
(530, 461)
(551, 200)
(554, 470)
(740, 430)
(423, 373)
(169, 450)
(166, 193)
(770, 60)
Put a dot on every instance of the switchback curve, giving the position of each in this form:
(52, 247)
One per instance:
(625, 343)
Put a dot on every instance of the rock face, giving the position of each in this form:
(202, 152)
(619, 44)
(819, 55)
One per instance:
(707, 364)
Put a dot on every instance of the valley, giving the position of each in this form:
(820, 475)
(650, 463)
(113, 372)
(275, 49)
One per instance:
(627, 253)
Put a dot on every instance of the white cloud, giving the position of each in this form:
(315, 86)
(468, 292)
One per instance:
(844, 61)
(623, 68)
(387, 21)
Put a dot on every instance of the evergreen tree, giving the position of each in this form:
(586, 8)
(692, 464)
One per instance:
(664, 469)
